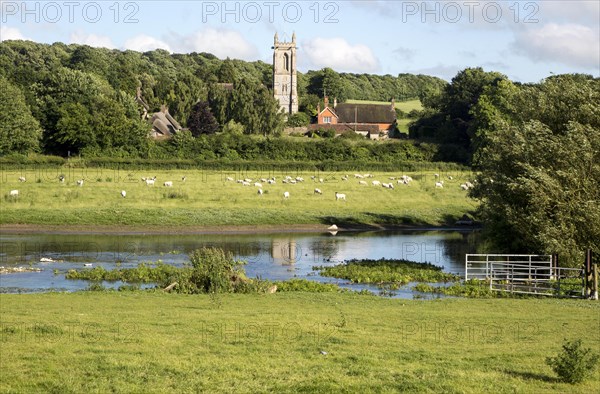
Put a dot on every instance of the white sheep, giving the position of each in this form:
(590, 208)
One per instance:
(260, 192)
(286, 194)
(183, 178)
(376, 183)
(244, 183)
(257, 184)
(123, 193)
(271, 181)
(299, 179)
(340, 196)
(464, 186)
(362, 183)
(149, 182)
(358, 176)
(318, 191)
(22, 179)
(14, 193)
(385, 185)
(80, 182)
(436, 175)
(439, 184)
(168, 184)
(263, 180)
(229, 179)
(469, 184)
(321, 180)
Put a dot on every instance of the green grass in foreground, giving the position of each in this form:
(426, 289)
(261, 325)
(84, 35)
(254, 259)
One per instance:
(207, 199)
(154, 342)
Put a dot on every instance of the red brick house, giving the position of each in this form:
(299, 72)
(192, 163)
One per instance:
(372, 120)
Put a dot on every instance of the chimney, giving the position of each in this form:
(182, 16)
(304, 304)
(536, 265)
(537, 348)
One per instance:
(326, 100)
(335, 102)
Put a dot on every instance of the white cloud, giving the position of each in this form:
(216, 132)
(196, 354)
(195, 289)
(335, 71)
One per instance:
(580, 12)
(220, 42)
(144, 43)
(570, 44)
(93, 40)
(338, 54)
(10, 33)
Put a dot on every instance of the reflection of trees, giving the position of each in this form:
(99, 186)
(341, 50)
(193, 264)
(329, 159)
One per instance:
(461, 243)
(324, 248)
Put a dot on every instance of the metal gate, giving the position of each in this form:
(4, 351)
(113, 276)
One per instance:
(526, 274)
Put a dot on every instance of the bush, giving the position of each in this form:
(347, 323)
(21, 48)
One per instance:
(574, 364)
(299, 119)
(214, 271)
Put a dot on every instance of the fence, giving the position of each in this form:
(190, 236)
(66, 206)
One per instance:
(526, 274)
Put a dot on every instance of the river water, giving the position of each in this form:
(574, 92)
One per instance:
(276, 256)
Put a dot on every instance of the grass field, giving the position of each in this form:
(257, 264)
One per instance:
(208, 199)
(286, 342)
(405, 106)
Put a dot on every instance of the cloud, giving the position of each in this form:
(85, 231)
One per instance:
(405, 54)
(144, 43)
(10, 33)
(570, 44)
(93, 40)
(220, 42)
(579, 12)
(338, 54)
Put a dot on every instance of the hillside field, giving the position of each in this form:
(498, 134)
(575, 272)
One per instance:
(207, 198)
(286, 343)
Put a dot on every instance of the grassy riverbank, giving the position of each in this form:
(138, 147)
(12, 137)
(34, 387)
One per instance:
(151, 342)
(208, 199)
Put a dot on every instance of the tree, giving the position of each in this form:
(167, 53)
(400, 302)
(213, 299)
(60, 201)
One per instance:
(539, 179)
(201, 120)
(20, 132)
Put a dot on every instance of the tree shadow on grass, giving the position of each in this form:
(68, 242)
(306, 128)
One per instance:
(532, 376)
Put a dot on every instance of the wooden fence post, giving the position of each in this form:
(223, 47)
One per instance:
(589, 275)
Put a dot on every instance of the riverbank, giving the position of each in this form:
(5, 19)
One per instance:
(191, 230)
(306, 342)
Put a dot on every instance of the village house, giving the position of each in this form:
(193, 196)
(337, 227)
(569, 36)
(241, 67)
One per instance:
(374, 121)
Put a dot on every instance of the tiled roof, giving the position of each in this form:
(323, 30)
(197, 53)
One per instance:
(365, 113)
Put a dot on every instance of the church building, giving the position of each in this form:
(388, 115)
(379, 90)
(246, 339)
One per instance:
(284, 74)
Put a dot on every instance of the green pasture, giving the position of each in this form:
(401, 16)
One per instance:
(98, 342)
(206, 198)
(405, 106)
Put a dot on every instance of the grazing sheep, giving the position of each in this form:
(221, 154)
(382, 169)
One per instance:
(168, 184)
(439, 184)
(260, 192)
(469, 184)
(257, 184)
(369, 176)
(271, 181)
(123, 193)
(362, 183)
(388, 185)
(450, 177)
(183, 178)
(340, 196)
(80, 182)
(464, 186)
(318, 191)
(22, 179)
(321, 180)
(61, 178)
(149, 182)
(286, 194)
(358, 176)
(229, 179)
(385, 185)
(14, 193)
(436, 175)
(244, 183)
(263, 180)
(293, 181)
(248, 180)
(299, 179)
(376, 183)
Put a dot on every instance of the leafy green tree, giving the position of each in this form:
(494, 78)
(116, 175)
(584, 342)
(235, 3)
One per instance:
(201, 120)
(540, 168)
(19, 131)
(298, 119)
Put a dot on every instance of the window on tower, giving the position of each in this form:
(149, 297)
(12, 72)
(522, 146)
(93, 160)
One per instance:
(286, 62)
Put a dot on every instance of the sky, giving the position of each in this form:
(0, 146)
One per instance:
(525, 40)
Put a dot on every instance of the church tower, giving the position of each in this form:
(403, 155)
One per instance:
(284, 74)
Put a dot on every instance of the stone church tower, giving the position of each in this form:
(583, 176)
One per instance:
(284, 74)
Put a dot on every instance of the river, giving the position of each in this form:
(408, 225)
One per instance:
(275, 256)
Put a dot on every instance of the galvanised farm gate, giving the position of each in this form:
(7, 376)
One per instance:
(527, 274)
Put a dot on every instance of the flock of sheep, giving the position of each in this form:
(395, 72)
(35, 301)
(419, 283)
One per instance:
(402, 180)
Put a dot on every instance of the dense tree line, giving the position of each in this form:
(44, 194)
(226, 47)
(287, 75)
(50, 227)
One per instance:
(537, 148)
(83, 98)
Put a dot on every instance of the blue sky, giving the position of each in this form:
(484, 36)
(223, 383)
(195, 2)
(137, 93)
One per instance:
(526, 40)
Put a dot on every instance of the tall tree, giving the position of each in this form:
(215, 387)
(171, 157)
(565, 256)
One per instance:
(539, 179)
(20, 132)
(201, 120)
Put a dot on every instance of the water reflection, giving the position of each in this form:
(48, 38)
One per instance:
(270, 256)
